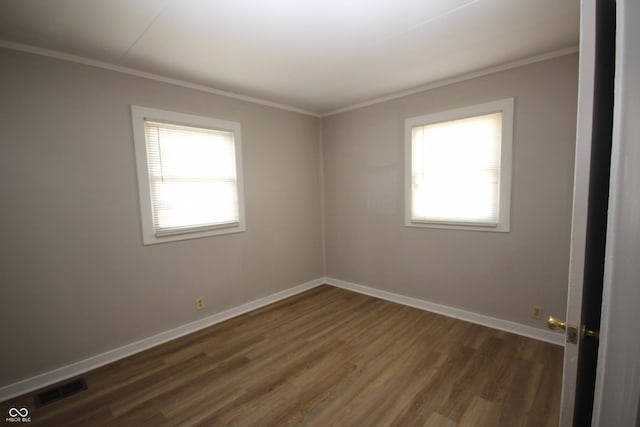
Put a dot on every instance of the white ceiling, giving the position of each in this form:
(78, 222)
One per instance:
(316, 55)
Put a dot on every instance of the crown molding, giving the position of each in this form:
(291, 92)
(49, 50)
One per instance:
(208, 89)
(457, 79)
(151, 76)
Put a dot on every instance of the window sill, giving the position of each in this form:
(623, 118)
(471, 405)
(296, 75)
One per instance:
(201, 232)
(495, 228)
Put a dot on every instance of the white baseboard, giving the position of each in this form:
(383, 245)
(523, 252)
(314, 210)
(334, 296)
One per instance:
(77, 368)
(480, 319)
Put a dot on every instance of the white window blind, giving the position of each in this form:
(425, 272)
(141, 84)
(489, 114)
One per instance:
(192, 178)
(456, 171)
(458, 168)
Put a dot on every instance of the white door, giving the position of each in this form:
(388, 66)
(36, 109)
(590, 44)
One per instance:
(580, 204)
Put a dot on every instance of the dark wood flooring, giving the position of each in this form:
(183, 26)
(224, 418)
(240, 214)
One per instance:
(326, 357)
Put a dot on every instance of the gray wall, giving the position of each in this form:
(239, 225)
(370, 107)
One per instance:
(75, 278)
(497, 274)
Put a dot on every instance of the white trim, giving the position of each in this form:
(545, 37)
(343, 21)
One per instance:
(456, 313)
(82, 366)
(579, 208)
(457, 79)
(149, 234)
(504, 106)
(177, 82)
(145, 75)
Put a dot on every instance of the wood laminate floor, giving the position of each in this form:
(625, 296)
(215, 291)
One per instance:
(326, 357)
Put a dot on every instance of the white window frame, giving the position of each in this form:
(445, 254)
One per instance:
(139, 114)
(504, 106)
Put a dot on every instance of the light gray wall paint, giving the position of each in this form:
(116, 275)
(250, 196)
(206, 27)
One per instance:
(75, 278)
(77, 281)
(497, 274)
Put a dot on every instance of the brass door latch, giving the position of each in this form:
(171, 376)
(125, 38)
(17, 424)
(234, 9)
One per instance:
(572, 332)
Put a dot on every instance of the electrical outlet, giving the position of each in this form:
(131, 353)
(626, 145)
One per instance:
(536, 312)
(200, 303)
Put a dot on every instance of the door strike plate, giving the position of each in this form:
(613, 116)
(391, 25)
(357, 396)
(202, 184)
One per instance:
(572, 335)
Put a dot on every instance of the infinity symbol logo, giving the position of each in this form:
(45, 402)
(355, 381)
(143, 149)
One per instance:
(15, 412)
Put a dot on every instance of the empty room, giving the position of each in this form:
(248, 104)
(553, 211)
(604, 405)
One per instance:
(336, 213)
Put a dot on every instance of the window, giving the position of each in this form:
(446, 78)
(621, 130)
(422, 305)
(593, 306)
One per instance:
(458, 168)
(189, 175)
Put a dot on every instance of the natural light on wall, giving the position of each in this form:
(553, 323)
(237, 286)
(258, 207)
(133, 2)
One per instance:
(458, 165)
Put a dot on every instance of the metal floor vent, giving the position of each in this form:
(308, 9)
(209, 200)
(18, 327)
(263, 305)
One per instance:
(60, 392)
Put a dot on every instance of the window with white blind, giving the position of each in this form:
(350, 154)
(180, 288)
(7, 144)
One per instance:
(189, 175)
(458, 168)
